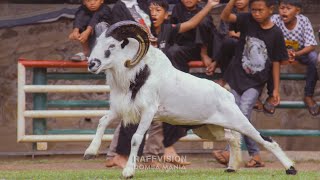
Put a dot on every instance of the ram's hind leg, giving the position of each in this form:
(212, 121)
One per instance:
(218, 133)
(248, 130)
(232, 118)
(234, 140)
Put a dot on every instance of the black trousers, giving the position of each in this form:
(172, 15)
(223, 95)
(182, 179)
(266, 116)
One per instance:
(227, 52)
(181, 55)
(124, 141)
(171, 135)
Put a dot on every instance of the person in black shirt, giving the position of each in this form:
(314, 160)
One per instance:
(194, 44)
(231, 36)
(91, 19)
(257, 58)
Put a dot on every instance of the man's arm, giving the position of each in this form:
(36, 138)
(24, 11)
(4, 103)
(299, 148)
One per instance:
(276, 82)
(227, 14)
(195, 20)
(304, 51)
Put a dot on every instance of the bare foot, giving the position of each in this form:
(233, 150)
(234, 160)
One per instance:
(171, 156)
(120, 160)
(110, 162)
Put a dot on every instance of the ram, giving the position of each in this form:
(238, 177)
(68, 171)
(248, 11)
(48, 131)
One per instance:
(146, 87)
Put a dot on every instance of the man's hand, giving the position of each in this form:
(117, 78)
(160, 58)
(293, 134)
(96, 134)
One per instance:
(211, 68)
(84, 36)
(74, 35)
(213, 3)
(291, 54)
(276, 98)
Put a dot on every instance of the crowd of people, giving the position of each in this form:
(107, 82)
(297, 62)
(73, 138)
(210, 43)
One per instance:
(248, 46)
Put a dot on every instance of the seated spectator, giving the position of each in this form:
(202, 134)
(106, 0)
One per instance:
(193, 44)
(230, 39)
(91, 19)
(300, 42)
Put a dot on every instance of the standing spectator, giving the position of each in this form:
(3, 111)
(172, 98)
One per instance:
(91, 19)
(257, 58)
(300, 42)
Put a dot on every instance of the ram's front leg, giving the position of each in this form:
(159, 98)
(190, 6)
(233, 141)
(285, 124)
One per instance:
(146, 119)
(92, 150)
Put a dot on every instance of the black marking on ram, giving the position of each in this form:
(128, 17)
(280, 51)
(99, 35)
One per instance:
(124, 43)
(139, 80)
(266, 138)
(107, 53)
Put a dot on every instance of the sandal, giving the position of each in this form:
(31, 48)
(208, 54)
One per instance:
(221, 156)
(255, 162)
(78, 57)
(268, 107)
(258, 106)
(312, 106)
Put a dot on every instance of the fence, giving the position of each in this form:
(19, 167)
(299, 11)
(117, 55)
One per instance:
(39, 88)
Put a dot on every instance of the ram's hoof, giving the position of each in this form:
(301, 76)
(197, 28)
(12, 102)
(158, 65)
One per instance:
(128, 173)
(230, 170)
(89, 156)
(291, 171)
(130, 177)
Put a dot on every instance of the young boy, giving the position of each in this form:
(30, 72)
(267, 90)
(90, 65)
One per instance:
(258, 54)
(167, 32)
(300, 41)
(194, 44)
(230, 39)
(91, 19)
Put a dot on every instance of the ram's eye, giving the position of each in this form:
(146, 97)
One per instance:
(107, 53)
(112, 46)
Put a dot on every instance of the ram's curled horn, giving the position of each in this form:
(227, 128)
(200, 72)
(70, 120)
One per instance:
(130, 29)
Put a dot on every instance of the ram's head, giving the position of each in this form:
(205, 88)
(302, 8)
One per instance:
(124, 43)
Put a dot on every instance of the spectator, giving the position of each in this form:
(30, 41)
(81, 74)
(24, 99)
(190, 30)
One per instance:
(230, 39)
(258, 54)
(91, 19)
(193, 44)
(300, 42)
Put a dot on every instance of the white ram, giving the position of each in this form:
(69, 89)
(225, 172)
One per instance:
(146, 87)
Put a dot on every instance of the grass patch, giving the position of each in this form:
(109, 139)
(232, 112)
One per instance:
(252, 174)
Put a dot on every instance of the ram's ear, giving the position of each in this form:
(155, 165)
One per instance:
(124, 43)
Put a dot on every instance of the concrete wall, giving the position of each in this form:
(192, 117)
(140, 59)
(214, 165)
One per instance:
(49, 41)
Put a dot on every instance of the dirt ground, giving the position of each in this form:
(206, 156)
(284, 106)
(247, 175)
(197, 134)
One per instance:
(75, 162)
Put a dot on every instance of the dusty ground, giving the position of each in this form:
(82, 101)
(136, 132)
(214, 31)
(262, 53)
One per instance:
(75, 162)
